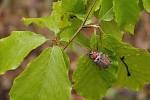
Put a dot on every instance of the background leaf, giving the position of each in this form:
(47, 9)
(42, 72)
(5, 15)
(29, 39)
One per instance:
(57, 20)
(126, 13)
(112, 28)
(106, 10)
(68, 32)
(15, 47)
(95, 42)
(46, 78)
(83, 40)
(76, 6)
(146, 4)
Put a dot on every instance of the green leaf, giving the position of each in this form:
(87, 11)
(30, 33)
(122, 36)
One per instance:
(14, 48)
(38, 21)
(75, 6)
(57, 20)
(96, 6)
(112, 28)
(46, 78)
(137, 61)
(68, 32)
(83, 40)
(140, 4)
(126, 13)
(90, 81)
(89, 2)
(106, 10)
(146, 4)
(95, 42)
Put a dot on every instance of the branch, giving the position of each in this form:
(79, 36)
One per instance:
(77, 32)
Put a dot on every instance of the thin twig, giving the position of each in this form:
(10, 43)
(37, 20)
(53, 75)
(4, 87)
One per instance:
(94, 26)
(77, 32)
(91, 26)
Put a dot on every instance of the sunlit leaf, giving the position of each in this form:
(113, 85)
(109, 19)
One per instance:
(14, 48)
(46, 78)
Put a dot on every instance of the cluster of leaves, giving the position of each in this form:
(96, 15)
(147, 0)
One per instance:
(46, 77)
